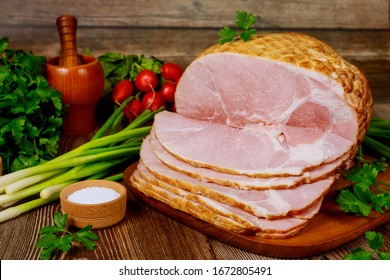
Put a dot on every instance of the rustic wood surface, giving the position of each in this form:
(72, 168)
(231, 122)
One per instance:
(340, 227)
(354, 14)
(177, 31)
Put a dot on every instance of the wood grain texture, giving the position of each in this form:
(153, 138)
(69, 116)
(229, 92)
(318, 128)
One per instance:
(177, 31)
(351, 14)
(369, 50)
(145, 233)
(327, 230)
(184, 44)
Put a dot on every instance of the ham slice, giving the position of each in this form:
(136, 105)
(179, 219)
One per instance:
(269, 204)
(256, 151)
(261, 130)
(222, 215)
(241, 181)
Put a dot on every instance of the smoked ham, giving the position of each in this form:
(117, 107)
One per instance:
(241, 181)
(252, 151)
(261, 131)
(266, 203)
(223, 215)
(256, 81)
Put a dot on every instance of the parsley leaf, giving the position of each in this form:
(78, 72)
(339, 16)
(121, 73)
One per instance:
(244, 21)
(30, 110)
(60, 220)
(85, 237)
(384, 255)
(3, 44)
(365, 195)
(227, 34)
(358, 254)
(58, 237)
(349, 202)
(375, 241)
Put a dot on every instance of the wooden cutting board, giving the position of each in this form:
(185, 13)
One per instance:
(329, 229)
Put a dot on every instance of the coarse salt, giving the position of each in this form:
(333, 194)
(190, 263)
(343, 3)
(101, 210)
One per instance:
(93, 195)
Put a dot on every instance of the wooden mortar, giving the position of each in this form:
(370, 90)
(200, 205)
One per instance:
(79, 78)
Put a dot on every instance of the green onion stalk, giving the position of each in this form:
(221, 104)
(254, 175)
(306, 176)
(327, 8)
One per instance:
(108, 149)
(14, 211)
(377, 138)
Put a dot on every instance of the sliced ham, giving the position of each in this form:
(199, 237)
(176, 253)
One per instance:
(222, 215)
(195, 209)
(261, 130)
(241, 181)
(256, 151)
(267, 204)
(268, 78)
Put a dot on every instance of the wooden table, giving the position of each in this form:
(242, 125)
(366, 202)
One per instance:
(359, 31)
(143, 234)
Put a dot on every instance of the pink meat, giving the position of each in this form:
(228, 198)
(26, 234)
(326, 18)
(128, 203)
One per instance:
(239, 90)
(254, 146)
(258, 151)
(264, 203)
(278, 226)
(285, 116)
(243, 181)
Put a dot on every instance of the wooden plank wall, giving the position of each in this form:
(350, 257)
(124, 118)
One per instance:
(177, 30)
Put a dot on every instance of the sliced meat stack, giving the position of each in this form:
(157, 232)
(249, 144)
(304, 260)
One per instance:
(262, 130)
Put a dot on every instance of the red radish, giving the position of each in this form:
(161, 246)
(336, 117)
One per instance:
(152, 100)
(171, 71)
(123, 90)
(133, 109)
(168, 91)
(146, 80)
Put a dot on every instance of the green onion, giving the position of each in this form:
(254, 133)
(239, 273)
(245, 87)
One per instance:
(23, 183)
(377, 146)
(116, 177)
(73, 158)
(15, 211)
(95, 159)
(377, 138)
(79, 172)
(109, 122)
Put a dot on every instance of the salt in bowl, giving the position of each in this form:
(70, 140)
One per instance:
(100, 203)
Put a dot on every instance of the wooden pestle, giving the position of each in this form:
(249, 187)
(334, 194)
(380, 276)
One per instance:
(67, 26)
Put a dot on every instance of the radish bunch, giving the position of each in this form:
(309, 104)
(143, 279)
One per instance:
(150, 90)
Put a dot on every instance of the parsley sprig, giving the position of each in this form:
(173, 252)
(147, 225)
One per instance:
(31, 111)
(375, 241)
(58, 237)
(366, 193)
(244, 22)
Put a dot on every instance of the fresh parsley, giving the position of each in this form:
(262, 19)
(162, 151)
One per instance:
(244, 22)
(375, 241)
(58, 237)
(31, 112)
(366, 193)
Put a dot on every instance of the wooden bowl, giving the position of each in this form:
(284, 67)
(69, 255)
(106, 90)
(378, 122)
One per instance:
(81, 88)
(99, 215)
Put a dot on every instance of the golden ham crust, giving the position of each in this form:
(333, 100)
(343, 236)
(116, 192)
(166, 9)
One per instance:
(310, 53)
